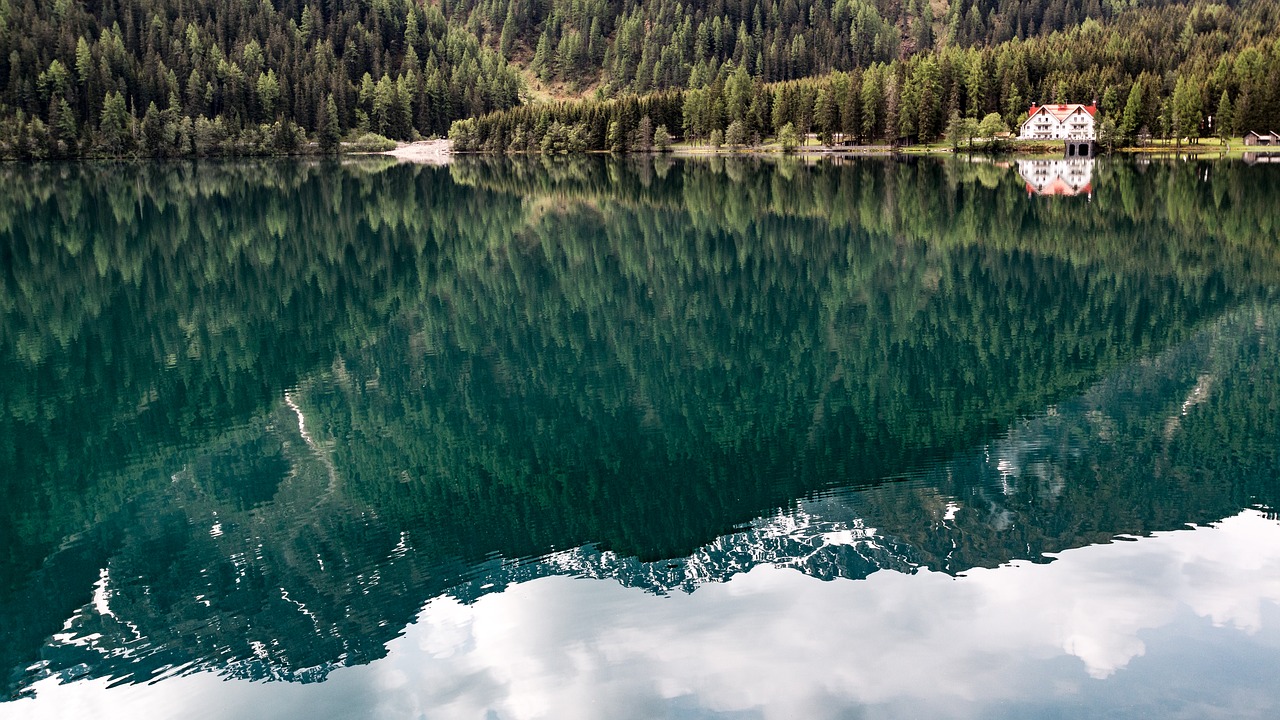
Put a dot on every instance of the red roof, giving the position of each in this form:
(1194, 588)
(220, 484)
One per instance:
(1058, 186)
(1061, 112)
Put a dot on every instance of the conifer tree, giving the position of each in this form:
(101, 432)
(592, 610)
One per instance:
(1186, 112)
(1133, 110)
(329, 133)
(1225, 120)
(114, 124)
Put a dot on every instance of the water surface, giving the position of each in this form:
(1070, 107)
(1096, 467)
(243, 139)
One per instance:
(644, 438)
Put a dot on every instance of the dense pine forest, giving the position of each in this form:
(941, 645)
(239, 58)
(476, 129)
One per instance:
(177, 77)
(1168, 71)
(210, 77)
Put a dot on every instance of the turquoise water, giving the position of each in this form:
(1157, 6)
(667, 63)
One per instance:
(639, 438)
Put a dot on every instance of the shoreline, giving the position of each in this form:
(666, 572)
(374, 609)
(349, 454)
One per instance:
(424, 152)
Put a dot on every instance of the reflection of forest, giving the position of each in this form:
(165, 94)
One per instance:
(1151, 447)
(271, 384)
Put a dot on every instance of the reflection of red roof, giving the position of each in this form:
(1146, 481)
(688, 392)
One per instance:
(1058, 186)
(1062, 112)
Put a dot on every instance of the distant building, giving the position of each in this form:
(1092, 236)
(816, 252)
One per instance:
(1057, 177)
(1059, 122)
(1266, 138)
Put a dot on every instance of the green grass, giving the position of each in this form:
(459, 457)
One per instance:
(1209, 147)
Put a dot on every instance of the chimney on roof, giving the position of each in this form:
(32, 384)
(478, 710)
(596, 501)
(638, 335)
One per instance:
(1033, 109)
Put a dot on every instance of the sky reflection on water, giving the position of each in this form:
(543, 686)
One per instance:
(637, 439)
(1181, 621)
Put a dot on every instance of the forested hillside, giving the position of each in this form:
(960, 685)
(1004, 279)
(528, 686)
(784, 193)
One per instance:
(166, 77)
(640, 45)
(1175, 70)
(179, 77)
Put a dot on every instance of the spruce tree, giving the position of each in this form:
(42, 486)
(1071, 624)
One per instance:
(1132, 119)
(329, 133)
(114, 124)
(1225, 119)
(1186, 109)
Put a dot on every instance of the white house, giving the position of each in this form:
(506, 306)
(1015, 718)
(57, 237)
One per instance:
(1059, 122)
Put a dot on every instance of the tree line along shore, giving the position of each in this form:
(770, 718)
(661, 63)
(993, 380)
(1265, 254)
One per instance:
(161, 78)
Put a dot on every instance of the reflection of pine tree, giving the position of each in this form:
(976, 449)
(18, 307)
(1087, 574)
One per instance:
(723, 338)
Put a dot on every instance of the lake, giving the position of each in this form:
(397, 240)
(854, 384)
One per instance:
(640, 438)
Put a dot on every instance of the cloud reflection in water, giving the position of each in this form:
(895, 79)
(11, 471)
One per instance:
(1168, 614)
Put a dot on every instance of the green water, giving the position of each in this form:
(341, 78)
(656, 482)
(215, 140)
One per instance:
(254, 417)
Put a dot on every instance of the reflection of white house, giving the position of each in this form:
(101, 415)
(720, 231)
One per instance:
(1059, 122)
(1057, 177)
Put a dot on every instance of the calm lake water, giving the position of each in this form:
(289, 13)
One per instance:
(638, 439)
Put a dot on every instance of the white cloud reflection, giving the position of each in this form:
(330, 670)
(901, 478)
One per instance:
(1126, 625)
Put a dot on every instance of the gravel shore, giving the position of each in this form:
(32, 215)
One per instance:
(430, 152)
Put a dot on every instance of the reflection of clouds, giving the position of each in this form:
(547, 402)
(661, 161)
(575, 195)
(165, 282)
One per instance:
(778, 644)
